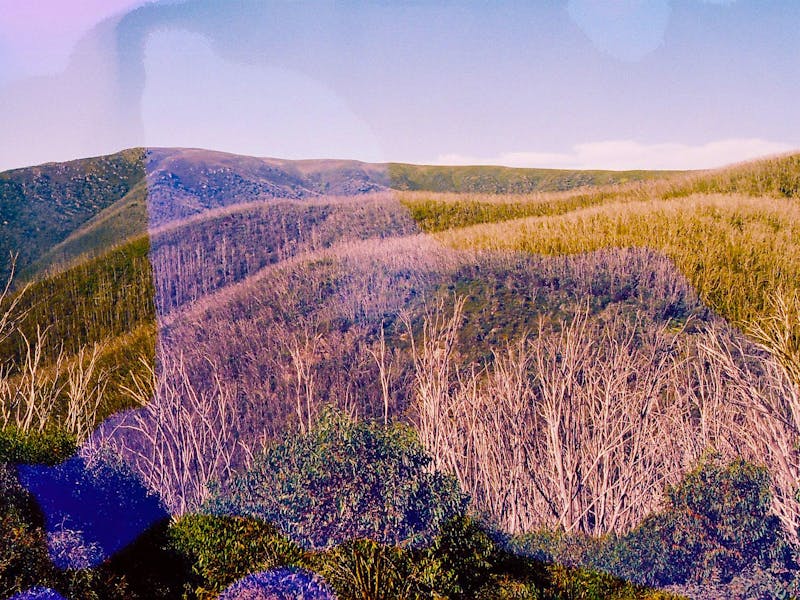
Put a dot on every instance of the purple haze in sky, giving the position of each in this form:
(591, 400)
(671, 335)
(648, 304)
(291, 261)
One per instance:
(556, 83)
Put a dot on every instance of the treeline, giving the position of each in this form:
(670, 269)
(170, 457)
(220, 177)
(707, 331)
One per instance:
(504, 180)
(94, 301)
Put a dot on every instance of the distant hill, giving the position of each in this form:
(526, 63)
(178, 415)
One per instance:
(505, 180)
(53, 213)
(40, 206)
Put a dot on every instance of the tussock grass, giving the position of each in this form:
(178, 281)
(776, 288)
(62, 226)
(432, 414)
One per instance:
(777, 178)
(735, 250)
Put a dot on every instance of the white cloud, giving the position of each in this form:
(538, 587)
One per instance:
(629, 154)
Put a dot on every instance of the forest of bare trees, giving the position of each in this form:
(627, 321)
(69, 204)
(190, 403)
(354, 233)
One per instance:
(582, 429)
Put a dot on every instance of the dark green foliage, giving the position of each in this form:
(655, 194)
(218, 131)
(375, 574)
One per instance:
(49, 447)
(585, 584)
(24, 560)
(360, 569)
(716, 524)
(225, 549)
(465, 562)
(716, 531)
(345, 480)
(467, 550)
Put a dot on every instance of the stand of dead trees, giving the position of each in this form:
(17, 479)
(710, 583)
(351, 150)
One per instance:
(582, 429)
(180, 439)
(37, 390)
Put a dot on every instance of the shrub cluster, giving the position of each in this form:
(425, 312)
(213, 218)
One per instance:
(345, 480)
(715, 532)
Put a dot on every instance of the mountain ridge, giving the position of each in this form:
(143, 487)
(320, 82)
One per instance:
(54, 212)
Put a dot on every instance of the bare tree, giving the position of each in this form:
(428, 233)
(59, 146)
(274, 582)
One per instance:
(433, 378)
(28, 396)
(564, 430)
(302, 347)
(763, 415)
(385, 372)
(10, 315)
(85, 386)
(181, 439)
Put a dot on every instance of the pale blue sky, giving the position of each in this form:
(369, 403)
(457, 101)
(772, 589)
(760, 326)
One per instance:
(554, 83)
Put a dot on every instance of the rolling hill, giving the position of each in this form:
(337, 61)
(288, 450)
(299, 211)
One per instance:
(54, 213)
(579, 352)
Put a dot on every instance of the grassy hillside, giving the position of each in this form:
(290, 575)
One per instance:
(113, 226)
(733, 231)
(778, 178)
(41, 206)
(735, 250)
(56, 213)
(504, 180)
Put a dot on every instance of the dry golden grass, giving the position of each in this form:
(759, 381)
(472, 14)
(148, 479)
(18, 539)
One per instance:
(737, 250)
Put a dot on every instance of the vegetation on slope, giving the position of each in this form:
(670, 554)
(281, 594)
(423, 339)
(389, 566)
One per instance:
(117, 225)
(714, 536)
(40, 206)
(736, 251)
(70, 342)
(202, 555)
(778, 178)
(504, 180)
(312, 330)
(55, 213)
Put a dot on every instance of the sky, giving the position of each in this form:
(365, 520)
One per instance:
(619, 84)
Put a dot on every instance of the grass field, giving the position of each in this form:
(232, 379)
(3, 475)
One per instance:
(736, 250)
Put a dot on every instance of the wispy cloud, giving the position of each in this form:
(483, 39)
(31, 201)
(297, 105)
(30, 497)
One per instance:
(629, 154)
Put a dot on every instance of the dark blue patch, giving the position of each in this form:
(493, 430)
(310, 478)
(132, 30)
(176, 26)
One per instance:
(108, 505)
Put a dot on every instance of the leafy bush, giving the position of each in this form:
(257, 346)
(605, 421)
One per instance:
(49, 447)
(24, 560)
(345, 480)
(366, 569)
(224, 549)
(716, 524)
(586, 584)
(467, 550)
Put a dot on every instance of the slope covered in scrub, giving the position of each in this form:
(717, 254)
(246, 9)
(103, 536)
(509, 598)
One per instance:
(567, 358)
(55, 213)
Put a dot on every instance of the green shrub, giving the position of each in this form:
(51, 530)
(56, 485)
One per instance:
(49, 447)
(24, 560)
(360, 569)
(466, 549)
(225, 549)
(717, 523)
(345, 480)
(586, 584)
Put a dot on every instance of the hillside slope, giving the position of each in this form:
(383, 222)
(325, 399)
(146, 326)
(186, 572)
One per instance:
(240, 304)
(55, 213)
